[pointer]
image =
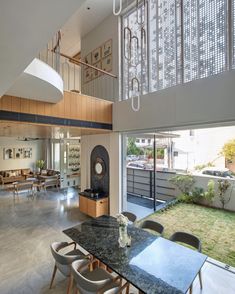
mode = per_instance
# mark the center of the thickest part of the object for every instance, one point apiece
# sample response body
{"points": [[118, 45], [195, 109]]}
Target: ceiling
{"points": [[24, 130], [25, 28], [82, 22]]}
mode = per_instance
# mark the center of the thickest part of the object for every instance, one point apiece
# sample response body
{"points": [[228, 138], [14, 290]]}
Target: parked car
{"points": [[132, 158], [148, 166], [136, 164], [218, 172]]}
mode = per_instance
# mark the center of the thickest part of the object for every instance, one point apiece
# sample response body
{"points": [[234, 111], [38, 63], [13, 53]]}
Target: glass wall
{"points": [[152, 159], [166, 43]]}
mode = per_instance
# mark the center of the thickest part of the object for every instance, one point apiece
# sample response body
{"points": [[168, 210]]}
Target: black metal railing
{"points": [[140, 183]]}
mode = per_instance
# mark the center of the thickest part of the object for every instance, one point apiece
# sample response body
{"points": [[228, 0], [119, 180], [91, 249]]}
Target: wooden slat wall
{"points": [[73, 106]]}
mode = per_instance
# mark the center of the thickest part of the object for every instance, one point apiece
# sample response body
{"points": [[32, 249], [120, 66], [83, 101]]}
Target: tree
{"points": [[228, 150], [132, 149], [149, 152]]}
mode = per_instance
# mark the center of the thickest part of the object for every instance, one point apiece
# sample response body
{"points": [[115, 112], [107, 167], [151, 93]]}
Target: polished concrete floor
{"points": [[28, 226], [139, 210]]}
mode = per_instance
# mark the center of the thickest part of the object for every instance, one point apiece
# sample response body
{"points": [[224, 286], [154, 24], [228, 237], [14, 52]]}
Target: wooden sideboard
{"points": [[94, 207]]}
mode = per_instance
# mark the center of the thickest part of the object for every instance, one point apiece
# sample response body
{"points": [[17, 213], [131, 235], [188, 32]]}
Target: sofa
{"points": [[15, 175], [50, 178], [49, 173]]}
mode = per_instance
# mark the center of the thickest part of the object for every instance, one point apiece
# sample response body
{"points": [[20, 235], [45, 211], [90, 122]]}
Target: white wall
{"points": [[37, 153], [112, 144], [102, 87], [25, 28], [203, 101], [202, 181]]}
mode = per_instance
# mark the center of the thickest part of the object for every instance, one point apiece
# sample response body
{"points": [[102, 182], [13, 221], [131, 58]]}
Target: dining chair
{"points": [[63, 261], [153, 226], [190, 240], [97, 281], [131, 216]]}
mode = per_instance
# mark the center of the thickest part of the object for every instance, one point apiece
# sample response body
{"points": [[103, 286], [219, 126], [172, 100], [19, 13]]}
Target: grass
{"points": [[214, 227]]}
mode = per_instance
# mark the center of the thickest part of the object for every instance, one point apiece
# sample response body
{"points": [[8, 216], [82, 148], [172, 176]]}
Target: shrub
{"points": [[183, 182], [190, 194], [223, 186], [202, 166], [210, 193]]}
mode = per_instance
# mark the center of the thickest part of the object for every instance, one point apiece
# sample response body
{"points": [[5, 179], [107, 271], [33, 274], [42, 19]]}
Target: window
{"points": [[56, 156], [179, 41]]}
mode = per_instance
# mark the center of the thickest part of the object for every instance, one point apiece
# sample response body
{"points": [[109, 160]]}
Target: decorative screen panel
{"points": [[187, 40], [165, 43], [233, 32], [135, 52], [205, 38]]}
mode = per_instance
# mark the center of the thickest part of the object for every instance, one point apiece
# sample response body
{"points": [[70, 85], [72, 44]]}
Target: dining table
{"points": [[151, 263]]}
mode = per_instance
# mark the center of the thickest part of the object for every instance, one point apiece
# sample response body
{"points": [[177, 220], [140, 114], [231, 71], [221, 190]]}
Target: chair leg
{"points": [[70, 284], [53, 276], [200, 278], [191, 289], [127, 288]]}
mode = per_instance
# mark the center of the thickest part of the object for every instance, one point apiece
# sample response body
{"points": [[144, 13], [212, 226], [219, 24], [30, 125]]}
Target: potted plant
{"points": [[40, 164]]}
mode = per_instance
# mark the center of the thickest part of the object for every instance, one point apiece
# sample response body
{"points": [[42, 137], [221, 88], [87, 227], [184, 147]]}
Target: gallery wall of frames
{"points": [[101, 57], [17, 153]]}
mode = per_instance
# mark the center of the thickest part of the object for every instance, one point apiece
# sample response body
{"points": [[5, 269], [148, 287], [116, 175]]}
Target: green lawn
{"points": [[215, 228]]}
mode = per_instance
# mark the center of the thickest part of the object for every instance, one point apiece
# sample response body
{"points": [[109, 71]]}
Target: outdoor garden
{"points": [[205, 204], [193, 212], [214, 227]]}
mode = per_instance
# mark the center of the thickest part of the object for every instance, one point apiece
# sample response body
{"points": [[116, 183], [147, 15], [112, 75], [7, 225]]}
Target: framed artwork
{"points": [[88, 58], [107, 48], [96, 55], [96, 73], [27, 152], [8, 153], [107, 63], [19, 153], [87, 75]]}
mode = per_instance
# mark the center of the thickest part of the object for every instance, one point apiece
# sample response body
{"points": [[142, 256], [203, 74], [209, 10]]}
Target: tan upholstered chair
{"points": [[63, 261], [96, 281]]}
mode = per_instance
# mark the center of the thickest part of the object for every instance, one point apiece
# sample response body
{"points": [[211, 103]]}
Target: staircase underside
{"points": [[40, 82]]}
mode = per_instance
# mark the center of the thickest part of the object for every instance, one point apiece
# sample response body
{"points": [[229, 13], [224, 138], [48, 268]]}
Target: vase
{"points": [[123, 240]]}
